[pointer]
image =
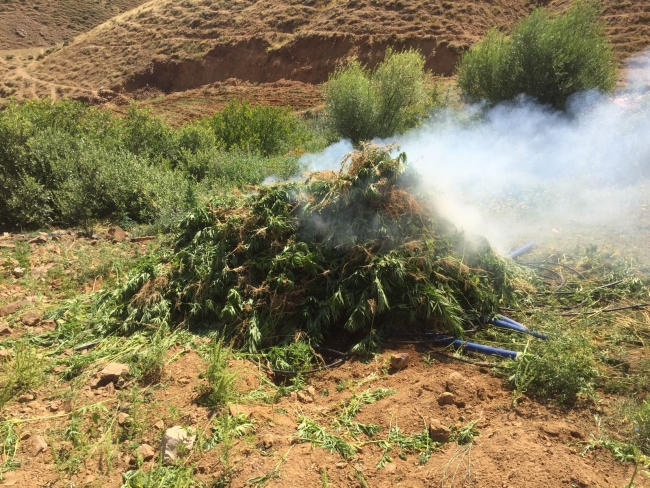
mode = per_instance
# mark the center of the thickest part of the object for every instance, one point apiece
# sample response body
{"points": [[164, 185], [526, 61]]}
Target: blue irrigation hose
{"points": [[444, 340], [507, 323], [522, 250]]}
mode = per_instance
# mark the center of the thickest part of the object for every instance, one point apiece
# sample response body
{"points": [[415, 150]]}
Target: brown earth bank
{"points": [[170, 47]]}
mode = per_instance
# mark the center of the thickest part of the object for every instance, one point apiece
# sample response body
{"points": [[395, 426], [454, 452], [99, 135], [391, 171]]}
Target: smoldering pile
{"points": [[355, 253]]}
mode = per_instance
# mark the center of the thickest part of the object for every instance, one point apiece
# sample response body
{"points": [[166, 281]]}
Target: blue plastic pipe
{"points": [[507, 323], [522, 250], [473, 347]]}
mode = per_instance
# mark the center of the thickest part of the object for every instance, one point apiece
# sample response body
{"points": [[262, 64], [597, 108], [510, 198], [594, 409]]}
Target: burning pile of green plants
{"points": [[358, 254]]}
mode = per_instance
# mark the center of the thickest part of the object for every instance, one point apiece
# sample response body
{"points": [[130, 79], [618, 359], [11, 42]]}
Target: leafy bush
{"points": [[363, 104], [260, 129], [549, 58], [559, 369], [69, 164]]}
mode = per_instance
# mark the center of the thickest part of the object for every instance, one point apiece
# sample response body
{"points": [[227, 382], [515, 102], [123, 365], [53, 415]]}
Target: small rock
{"points": [[110, 390], [18, 272], [40, 444], [304, 397], [20, 32], [90, 478], [269, 441], [293, 395], [146, 452], [12, 307], [311, 390], [341, 465], [125, 407], [122, 417], [437, 431], [4, 330], [236, 410], [446, 399], [184, 380], [175, 443], [391, 468], [5, 354], [160, 425], [25, 436], [26, 398], [54, 406], [116, 234], [399, 361], [31, 318]]}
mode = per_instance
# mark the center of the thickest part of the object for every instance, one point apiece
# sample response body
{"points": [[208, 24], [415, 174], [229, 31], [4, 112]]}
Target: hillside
{"points": [[40, 23], [165, 46]]}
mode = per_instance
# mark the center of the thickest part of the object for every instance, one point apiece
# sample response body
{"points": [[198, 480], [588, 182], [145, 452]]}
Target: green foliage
{"points": [[345, 419], [361, 250], [162, 477], [641, 420], [419, 443], [559, 369], [8, 448], [259, 129], [66, 163], [548, 58], [363, 104], [466, 434], [297, 356], [310, 431], [220, 381]]}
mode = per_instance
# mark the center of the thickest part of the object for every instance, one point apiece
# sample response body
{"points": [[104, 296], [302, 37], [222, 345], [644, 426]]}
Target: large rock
{"points": [[176, 442], [446, 399], [437, 431], [116, 234], [111, 373]]}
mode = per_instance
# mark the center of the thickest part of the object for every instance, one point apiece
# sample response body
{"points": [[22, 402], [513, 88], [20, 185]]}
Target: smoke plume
{"points": [[520, 170]]}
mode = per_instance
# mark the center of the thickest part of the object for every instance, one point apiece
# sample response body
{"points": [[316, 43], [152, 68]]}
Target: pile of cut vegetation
{"points": [[358, 254]]}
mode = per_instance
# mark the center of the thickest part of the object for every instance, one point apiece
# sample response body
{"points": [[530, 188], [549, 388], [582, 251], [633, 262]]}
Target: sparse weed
{"points": [[310, 431], [162, 476], [21, 374], [220, 381], [9, 448]]}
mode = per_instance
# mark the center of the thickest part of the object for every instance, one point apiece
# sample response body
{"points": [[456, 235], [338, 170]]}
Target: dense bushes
{"points": [[70, 164], [548, 58], [363, 104]]}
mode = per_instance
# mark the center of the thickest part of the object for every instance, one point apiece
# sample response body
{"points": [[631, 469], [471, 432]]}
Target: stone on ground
{"points": [[176, 442]]}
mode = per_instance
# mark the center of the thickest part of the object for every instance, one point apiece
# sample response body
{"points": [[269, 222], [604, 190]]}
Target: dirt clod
{"points": [[18, 272], [12, 307], [4, 329], [31, 318], [39, 445], [236, 410], [438, 432], [399, 361], [304, 397], [122, 418], [26, 398], [446, 399], [146, 452]]}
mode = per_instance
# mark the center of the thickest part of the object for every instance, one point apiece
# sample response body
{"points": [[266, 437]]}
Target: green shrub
{"points": [[363, 104], [261, 129], [559, 369], [549, 58], [69, 164]]}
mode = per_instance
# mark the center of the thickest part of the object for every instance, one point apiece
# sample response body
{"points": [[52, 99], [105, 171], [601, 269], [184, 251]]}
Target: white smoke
{"points": [[521, 170]]}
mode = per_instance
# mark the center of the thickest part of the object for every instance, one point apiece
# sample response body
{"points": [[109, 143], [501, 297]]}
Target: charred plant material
{"points": [[355, 252]]}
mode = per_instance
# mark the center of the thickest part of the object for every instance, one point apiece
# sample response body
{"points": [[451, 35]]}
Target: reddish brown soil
{"points": [[529, 445]]}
